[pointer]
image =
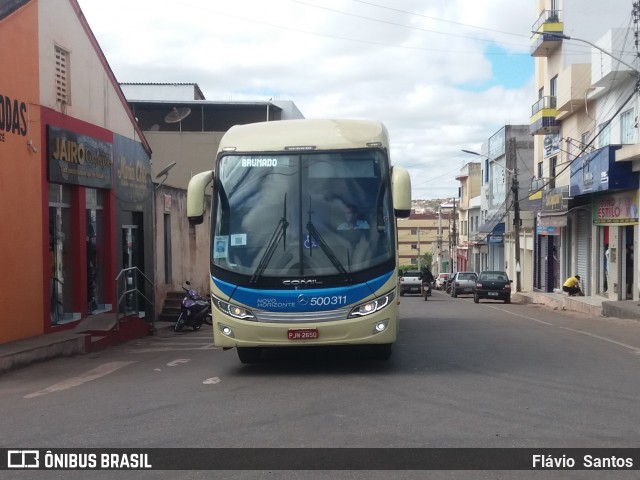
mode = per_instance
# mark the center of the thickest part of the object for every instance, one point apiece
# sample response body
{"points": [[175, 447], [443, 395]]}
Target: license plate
{"points": [[492, 294], [302, 334]]}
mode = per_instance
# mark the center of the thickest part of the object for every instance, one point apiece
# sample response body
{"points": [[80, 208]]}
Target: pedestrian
{"points": [[572, 286]]}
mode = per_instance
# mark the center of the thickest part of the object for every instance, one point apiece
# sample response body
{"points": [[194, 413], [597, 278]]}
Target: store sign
{"points": [[13, 117], [555, 200], [547, 230], [78, 159], [494, 239], [132, 171], [599, 172], [618, 209]]}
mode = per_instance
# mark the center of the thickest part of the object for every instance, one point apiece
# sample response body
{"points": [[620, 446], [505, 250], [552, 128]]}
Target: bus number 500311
{"points": [[327, 301]]}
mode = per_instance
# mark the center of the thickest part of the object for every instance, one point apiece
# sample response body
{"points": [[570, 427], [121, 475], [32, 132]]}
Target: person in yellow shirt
{"points": [[572, 286]]}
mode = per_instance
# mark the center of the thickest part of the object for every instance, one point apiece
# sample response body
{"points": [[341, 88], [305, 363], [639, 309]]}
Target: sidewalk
{"points": [[590, 305], [84, 338], [91, 334]]}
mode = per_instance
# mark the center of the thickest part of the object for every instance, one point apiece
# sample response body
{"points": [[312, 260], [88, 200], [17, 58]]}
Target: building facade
{"points": [[75, 195], [470, 178], [586, 153]]}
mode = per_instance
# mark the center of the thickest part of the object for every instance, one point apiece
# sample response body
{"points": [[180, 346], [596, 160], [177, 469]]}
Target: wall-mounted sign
{"points": [[78, 159], [598, 171], [494, 239], [547, 230], [618, 208], [13, 117], [556, 199]]}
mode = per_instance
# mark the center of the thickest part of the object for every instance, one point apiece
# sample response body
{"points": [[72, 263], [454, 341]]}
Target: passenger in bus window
{"points": [[351, 220]]}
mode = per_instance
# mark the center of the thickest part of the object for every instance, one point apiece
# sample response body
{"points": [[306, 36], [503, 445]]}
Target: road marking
{"points": [[209, 346], [94, 374], [630, 347], [178, 362], [523, 316], [211, 381], [635, 350]]}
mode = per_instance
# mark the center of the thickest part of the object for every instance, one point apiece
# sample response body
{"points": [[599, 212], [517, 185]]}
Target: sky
{"points": [[441, 75]]}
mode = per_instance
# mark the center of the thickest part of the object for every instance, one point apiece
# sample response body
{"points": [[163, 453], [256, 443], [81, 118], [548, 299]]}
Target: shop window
{"points": [[96, 255], [61, 256]]}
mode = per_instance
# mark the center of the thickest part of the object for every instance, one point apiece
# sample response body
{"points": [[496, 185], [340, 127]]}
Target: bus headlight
{"points": [[372, 306], [236, 311]]}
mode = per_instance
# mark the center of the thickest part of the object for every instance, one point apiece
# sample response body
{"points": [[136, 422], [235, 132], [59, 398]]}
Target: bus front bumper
{"points": [[229, 333]]}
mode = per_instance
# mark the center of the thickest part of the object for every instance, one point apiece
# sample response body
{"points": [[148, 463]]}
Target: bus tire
{"points": [[381, 351], [248, 354]]}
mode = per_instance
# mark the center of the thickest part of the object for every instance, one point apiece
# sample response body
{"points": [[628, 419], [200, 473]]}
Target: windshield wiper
{"points": [[278, 234], [314, 233]]}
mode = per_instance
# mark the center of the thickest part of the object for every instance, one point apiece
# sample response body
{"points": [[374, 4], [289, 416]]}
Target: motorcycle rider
{"points": [[426, 276], [427, 280]]}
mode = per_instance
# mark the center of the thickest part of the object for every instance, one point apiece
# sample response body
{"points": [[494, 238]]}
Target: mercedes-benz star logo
{"points": [[302, 299]]}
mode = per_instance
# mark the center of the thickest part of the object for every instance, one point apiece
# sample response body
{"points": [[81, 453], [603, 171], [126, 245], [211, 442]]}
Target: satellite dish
{"points": [[165, 172], [177, 114]]}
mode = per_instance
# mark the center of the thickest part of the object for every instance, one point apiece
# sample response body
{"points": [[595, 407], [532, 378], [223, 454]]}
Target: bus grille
{"points": [[302, 317]]}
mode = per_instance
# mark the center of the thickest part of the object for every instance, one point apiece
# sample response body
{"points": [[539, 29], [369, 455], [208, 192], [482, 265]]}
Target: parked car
{"points": [[494, 285], [410, 282], [441, 280], [463, 283]]}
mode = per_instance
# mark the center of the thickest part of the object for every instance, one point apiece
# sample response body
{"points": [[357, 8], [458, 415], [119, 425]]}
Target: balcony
{"points": [[538, 184], [572, 89], [543, 117], [543, 44], [608, 69]]}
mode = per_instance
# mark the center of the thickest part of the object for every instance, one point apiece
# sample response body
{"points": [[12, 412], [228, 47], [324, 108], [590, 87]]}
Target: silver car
{"points": [[463, 283]]}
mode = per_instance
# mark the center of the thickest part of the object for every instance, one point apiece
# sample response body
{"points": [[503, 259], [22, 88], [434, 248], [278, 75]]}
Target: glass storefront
{"points": [[60, 255], [95, 251]]}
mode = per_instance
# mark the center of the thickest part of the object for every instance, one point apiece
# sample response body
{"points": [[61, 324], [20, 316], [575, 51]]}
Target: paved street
{"points": [[461, 375]]}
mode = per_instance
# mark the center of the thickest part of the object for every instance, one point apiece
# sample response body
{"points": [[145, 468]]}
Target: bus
{"points": [[303, 235]]}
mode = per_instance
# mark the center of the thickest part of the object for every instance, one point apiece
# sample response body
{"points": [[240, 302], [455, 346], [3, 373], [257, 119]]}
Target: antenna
{"points": [[177, 115], [165, 172]]}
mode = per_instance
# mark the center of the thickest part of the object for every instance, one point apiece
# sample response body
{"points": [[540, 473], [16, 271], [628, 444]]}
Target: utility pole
{"points": [[454, 242], [419, 249], [439, 269], [515, 190]]}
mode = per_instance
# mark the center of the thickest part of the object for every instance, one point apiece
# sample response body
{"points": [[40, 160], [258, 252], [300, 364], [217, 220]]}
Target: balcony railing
{"points": [[538, 184], [547, 16], [543, 104]]}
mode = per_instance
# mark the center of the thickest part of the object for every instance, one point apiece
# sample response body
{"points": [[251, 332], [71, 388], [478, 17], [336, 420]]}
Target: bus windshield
{"points": [[302, 214]]}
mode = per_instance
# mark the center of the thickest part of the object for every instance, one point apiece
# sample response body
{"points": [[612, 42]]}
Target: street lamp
{"points": [[515, 189], [567, 37]]}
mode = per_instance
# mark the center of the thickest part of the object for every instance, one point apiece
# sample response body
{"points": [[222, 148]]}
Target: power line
{"points": [[406, 26], [439, 19]]}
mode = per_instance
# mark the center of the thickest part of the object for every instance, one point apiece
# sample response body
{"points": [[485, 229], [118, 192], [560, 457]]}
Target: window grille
{"points": [[63, 96]]}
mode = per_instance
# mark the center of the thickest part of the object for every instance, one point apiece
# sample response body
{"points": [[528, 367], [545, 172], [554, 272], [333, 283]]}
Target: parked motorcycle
{"points": [[194, 311]]}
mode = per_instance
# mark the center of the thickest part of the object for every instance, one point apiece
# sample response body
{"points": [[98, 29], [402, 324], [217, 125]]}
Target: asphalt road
{"points": [[461, 375]]}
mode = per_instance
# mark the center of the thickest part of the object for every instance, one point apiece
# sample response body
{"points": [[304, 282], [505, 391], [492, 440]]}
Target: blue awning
{"points": [[493, 225]]}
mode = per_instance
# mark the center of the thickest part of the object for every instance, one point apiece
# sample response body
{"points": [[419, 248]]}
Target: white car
{"points": [[441, 279]]}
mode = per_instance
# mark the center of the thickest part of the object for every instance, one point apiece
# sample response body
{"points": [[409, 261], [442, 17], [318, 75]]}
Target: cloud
{"points": [[425, 70]]}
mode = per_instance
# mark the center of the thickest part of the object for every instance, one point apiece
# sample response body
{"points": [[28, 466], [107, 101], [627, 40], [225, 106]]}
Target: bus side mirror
{"points": [[195, 196], [401, 192]]}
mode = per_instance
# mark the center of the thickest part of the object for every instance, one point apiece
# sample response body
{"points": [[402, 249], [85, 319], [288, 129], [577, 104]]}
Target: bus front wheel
{"points": [[248, 354]]}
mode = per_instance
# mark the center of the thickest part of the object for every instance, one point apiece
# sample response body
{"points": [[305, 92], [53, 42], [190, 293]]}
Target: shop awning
{"points": [[493, 224], [553, 220]]}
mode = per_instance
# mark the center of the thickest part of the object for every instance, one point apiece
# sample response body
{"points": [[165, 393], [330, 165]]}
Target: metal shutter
{"points": [[583, 243]]}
